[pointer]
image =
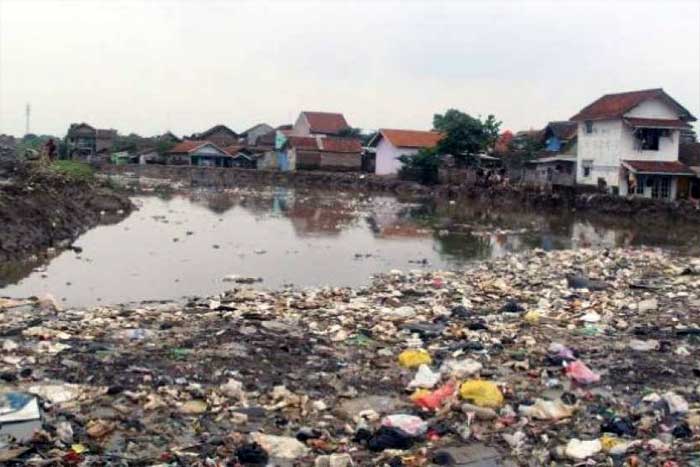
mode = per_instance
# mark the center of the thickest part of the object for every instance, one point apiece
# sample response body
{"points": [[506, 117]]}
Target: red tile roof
{"points": [[187, 145], [659, 167], [411, 138], [335, 144], [326, 122], [616, 105], [656, 123], [303, 142]]}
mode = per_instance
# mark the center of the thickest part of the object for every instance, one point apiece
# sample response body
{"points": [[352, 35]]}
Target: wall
{"points": [[654, 108], [222, 138], [308, 160], [603, 147], [387, 162], [341, 161], [301, 127]]}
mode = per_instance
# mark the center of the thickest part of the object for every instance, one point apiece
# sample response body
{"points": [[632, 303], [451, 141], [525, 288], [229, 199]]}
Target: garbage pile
{"points": [[559, 358]]}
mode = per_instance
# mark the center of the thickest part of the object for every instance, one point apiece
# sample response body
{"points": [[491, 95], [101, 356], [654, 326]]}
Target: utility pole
{"points": [[28, 111]]}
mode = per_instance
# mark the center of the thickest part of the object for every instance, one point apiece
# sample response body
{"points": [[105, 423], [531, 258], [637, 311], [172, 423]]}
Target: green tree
{"points": [[422, 166], [465, 136]]}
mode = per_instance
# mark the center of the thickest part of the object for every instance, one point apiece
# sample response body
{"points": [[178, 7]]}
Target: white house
{"points": [[389, 144], [629, 143]]}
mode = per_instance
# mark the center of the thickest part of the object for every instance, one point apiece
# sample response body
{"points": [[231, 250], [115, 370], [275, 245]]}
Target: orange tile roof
{"points": [[660, 167], [187, 146], [616, 105], [411, 138], [325, 122], [336, 144], [303, 142]]}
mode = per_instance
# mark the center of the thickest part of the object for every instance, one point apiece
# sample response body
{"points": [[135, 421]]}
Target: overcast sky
{"points": [[151, 66]]}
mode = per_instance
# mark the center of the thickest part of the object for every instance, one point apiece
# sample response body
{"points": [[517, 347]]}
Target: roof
{"points": [[563, 130], [325, 122], [656, 123], [659, 167], [689, 154], [411, 138], [233, 148], [560, 158], [187, 145], [255, 127], [303, 142], [616, 105], [335, 144], [216, 128]]}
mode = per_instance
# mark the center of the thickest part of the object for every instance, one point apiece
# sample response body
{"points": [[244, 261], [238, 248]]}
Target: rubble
{"points": [[419, 368]]}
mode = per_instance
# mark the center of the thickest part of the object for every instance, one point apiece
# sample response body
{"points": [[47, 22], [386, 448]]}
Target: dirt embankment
{"points": [[45, 208]]}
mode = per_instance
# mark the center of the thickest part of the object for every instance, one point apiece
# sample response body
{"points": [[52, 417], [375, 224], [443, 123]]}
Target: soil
{"points": [[40, 209]]}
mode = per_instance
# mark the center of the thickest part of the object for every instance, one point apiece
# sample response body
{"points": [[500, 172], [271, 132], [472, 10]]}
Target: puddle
{"points": [[188, 243]]}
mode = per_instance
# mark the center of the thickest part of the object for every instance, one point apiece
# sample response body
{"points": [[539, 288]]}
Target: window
{"points": [[641, 181], [661, 188], [587, 168], [649, 138], [589, 127]]}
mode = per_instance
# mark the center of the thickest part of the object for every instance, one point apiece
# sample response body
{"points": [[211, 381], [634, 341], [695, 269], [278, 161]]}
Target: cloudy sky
{"points": [[150, 66]]}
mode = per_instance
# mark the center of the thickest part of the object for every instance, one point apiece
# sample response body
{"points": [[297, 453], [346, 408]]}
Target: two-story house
{"points": [[628, 143]]}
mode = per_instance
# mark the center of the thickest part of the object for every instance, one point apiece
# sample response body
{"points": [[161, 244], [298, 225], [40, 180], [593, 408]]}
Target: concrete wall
{"points": [[387, 161], [603, 147], [301, 127], [341, 161]]}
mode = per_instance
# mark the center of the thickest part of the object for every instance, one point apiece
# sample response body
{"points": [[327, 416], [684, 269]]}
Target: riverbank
{"points": [[50, 207], [513, 196], [541, 358]]}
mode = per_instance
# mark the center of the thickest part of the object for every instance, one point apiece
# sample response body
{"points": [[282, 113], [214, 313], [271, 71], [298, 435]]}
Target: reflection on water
{"points": [[185, 244]]}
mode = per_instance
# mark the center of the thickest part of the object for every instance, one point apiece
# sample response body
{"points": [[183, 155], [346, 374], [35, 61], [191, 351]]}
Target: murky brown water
{"points": [[187, 243]]}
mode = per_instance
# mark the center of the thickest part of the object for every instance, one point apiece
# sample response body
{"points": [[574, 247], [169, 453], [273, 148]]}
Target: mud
{"points": [[40, 210]]}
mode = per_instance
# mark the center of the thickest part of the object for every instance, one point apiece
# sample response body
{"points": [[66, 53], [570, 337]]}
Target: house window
{"points": [[587, 167], [661, 188], [649, 138], [589, 127], [641, 181]]}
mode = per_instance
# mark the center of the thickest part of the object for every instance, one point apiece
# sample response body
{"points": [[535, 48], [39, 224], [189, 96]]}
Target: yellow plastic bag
{"points": [[481, 393], [413, 358], [532, 317], [608, 442]]}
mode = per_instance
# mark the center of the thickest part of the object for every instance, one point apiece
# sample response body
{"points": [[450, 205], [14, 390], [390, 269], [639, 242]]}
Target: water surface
{"points": [[186, 244]]}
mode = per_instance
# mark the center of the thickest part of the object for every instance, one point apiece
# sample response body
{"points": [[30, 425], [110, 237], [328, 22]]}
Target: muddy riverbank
{"points": [[47, 208], [569, 199], [559, 358]]}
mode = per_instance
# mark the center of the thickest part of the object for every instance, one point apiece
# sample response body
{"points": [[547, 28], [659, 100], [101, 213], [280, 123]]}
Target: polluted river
{"points": [[274, 327], [199, 241]]}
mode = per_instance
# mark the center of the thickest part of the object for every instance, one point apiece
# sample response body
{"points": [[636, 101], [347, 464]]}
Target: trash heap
{"points": [[559, 358]]}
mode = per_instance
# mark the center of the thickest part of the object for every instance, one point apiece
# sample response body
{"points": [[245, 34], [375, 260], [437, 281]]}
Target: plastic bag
{"points": [[413, 358], [481, 393]]}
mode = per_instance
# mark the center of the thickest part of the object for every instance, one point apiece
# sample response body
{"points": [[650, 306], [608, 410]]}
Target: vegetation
{"points": [[464, 138], [73, 169], [422, 167]]}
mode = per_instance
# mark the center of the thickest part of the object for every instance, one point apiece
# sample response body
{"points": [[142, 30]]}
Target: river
{"points": [[188, 243]]}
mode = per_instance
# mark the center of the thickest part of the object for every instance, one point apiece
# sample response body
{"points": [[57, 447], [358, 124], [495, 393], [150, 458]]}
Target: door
{"points": [[683, 188]]}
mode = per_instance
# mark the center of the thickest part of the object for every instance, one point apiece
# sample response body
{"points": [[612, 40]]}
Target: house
{"points": [[252, 134], [689, 154], [628, 143], [199, 153], [85, 142], [388, 144], [556, 170], [169, 137], [320, 124], [148, 156], [329, 153], [220, 135], [560, 137]]}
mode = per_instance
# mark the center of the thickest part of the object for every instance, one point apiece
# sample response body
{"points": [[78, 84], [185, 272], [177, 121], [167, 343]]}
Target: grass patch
{"points": [[73, 169]]}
